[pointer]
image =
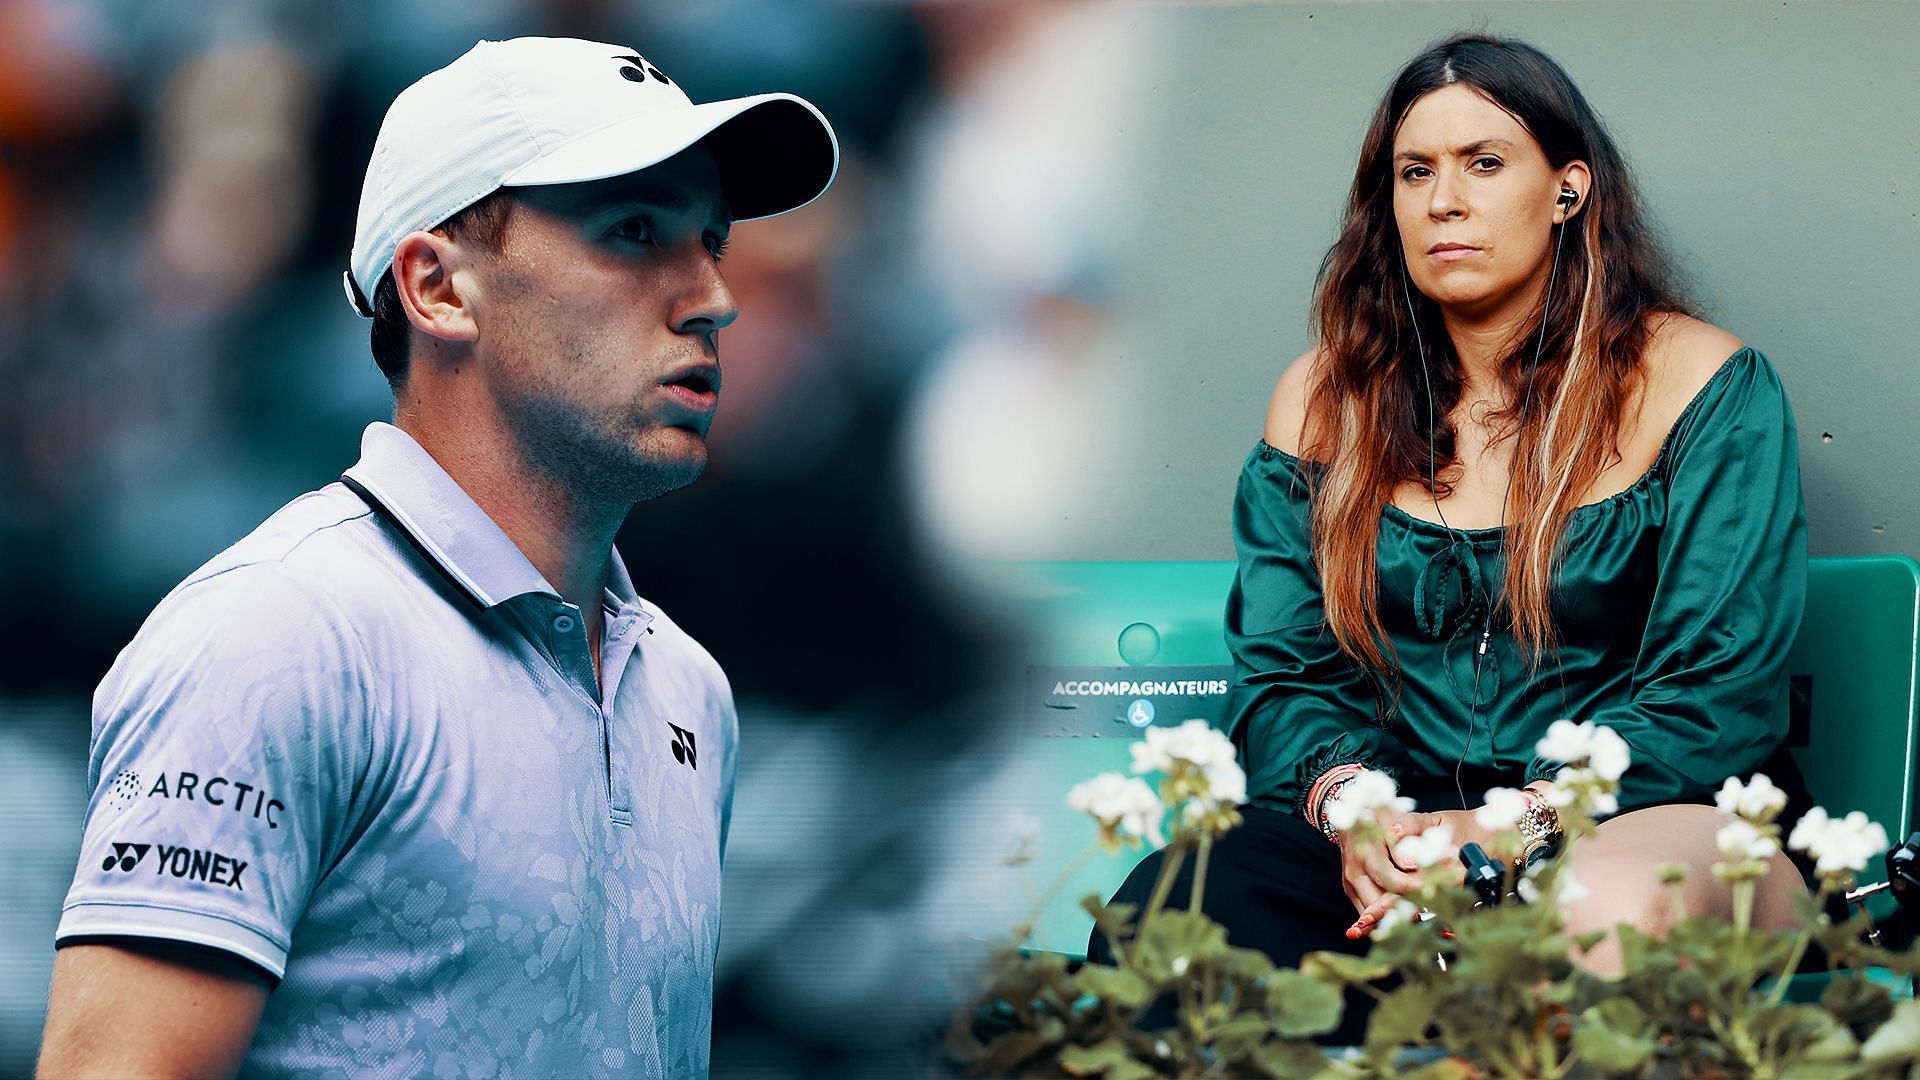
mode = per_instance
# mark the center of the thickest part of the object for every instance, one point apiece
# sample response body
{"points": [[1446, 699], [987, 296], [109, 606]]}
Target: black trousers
{"points": [[1274, 885]]}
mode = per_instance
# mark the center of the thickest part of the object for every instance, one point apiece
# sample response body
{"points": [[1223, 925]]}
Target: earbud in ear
{"points": [[1567, 198]]}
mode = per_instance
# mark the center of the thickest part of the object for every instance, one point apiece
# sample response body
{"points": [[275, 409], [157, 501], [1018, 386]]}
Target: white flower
{"points": [[1124, 806], [1368, 793], [1758, 802], [1565, 741], [1502, 809], [1179, 965], [1571, 783], [1742, 839], [1429, 849], [1196, 741], [1611, 755], [1598, 746], [1225, 782], [1838, 845], [1400, 914], [1571, 890]]}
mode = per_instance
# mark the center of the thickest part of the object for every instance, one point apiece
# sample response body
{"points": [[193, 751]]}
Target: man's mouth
{"points": [[695, 387], [698, 378]]}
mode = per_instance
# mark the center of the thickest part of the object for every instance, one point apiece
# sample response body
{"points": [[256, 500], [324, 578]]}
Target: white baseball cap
{"points": [[559, 111]]}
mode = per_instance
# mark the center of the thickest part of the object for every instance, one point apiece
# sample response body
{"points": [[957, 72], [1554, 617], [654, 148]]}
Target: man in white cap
{"points": [[409, 781]]}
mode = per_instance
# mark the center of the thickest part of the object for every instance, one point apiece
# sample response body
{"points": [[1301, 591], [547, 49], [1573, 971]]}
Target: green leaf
{"points": [[1302, 1006], [1094, 1060], [1114, 920], [1010, 1049], [1247, 966], [1116, 985], [1857, 1001], [1171, 935], [1639, 951], [1585, 942], [1402, 1018], [1343, 968], [1623, 1015], [1834, 1045], [1131, 1070], [1897, 1042], [1606, 1050], [1292, 1060]]}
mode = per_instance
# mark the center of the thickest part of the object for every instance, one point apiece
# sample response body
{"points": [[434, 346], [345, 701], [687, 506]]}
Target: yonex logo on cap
{"points": [[639, 70]]}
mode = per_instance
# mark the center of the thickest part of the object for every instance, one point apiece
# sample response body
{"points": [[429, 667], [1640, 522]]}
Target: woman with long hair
{"points": [[1515, 480]]}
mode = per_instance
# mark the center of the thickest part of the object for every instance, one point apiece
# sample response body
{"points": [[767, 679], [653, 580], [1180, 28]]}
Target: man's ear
{"points": [[431, 290]]}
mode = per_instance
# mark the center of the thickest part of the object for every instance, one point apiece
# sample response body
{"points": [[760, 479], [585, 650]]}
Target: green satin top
{"points": [[1675, 605]]}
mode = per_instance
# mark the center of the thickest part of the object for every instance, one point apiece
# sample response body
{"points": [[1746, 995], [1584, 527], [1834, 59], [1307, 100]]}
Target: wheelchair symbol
{"points": [[1140, 713]]}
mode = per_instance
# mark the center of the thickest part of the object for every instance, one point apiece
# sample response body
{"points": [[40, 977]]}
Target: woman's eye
{"points": [[1486, 164], [717, 246], [1413, 172]]}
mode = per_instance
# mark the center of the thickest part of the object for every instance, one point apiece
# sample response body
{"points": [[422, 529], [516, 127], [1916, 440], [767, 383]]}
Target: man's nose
{"points": [[707, 305]]}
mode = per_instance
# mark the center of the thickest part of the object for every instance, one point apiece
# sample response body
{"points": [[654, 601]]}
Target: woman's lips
{"points": [[1451, 252]]}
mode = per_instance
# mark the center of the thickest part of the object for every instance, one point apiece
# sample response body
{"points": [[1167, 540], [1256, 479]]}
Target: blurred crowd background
{"points": [[178, 183]]}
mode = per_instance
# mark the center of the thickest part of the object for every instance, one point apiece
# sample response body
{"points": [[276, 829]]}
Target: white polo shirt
{"points": [[364, 749]]}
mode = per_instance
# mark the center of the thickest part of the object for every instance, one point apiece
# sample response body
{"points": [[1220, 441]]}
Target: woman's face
{"points": [[1473, 195]]}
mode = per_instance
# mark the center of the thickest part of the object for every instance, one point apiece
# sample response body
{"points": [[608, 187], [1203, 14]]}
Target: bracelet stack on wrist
{"points": [[1323, 792]]}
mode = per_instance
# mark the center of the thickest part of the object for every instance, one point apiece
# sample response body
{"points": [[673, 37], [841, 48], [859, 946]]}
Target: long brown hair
{"points": [[1367, 405]]}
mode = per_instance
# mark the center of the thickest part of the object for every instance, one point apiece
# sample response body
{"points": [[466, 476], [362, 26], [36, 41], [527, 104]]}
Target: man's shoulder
{"points": [[307, 573], [303, 536]]}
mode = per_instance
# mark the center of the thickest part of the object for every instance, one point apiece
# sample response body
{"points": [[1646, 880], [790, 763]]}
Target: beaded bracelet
{"points": [[1313, 807]]}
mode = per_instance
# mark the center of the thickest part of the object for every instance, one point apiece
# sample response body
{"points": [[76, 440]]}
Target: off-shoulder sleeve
{"points": [[1709, 691], [1298, 705]]}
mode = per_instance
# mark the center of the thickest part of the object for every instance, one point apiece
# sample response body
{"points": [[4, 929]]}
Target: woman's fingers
{"points": [[1371, 916], [1389, 877]]}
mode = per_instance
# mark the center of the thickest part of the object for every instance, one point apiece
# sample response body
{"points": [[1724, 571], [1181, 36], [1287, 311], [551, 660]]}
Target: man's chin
{"points": [[669, 464]]}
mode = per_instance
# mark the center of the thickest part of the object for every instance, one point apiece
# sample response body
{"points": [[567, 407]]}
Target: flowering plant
{"points": [[1460, 989]]}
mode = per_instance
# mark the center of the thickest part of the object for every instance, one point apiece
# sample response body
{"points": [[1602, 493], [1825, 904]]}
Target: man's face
{"points": [[598, 327]]}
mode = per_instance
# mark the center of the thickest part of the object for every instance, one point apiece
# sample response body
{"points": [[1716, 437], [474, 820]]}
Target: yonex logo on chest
{"points": [[685, 747]]}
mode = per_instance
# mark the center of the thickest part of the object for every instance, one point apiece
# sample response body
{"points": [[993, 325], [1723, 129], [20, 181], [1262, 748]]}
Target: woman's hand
{"points": [[1374, 880]]}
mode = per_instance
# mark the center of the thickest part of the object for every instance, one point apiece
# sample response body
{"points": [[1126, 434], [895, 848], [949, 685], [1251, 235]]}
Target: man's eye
{"points": [[717, 245], [636, 230]]}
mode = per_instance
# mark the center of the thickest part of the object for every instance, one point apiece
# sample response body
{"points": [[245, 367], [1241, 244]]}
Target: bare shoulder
{"points": [[1683, 353], [1287, 412]]}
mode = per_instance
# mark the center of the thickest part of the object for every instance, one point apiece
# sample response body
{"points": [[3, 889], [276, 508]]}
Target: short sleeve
{"points": [[1298, 705], [226, 740], [1709, 691]]}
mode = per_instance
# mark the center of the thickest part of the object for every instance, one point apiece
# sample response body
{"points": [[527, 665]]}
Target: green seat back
{"points": [[1857, 717], [1854, 668]]}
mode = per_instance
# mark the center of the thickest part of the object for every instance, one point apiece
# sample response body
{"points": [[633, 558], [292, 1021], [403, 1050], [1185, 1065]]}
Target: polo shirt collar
{"points": [[412, 490]]}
